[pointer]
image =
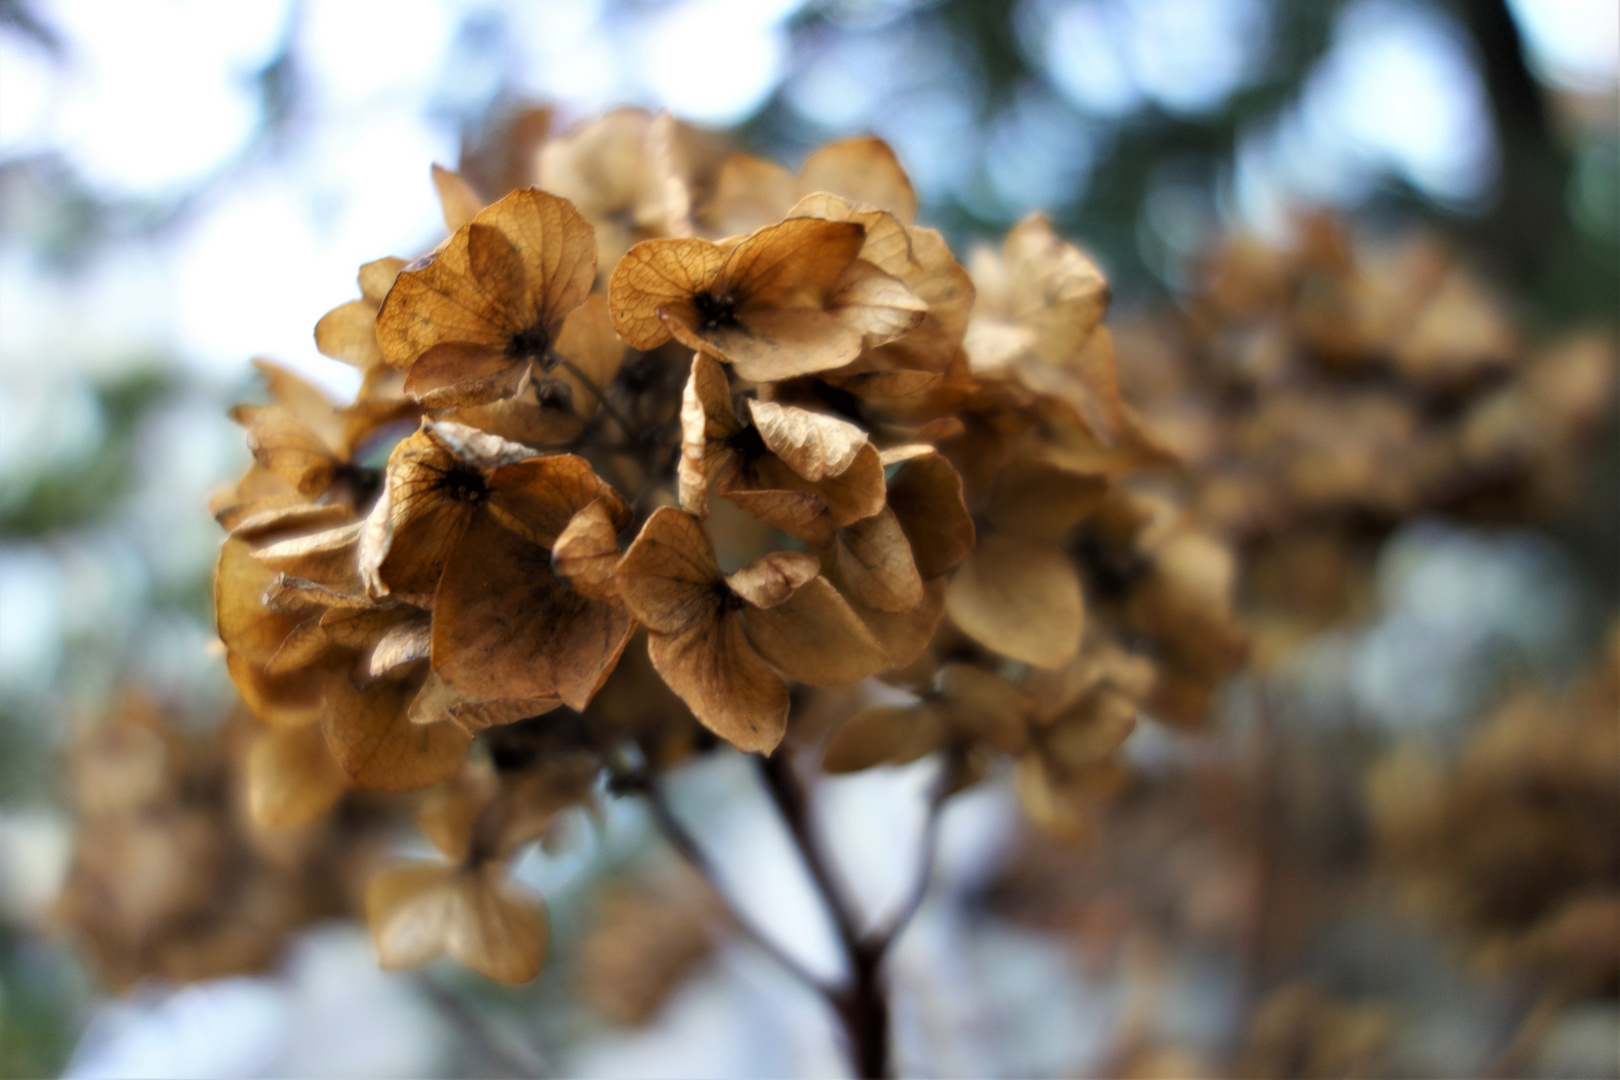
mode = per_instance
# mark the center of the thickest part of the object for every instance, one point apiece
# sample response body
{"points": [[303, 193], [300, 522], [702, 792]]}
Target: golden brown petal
{"points": [[537, 498], [291, 778], [926, 497], [815, 637], [659, 274], [555, 245], [707, 422], [671, 582], [883, 735], [588, 342], [734, 693], [349, 333], [1020, 598], [456, 197], [376, 278], [374, 742], [504, 626], [587, 553], [1042, 502], [875, 563], [464, 373], [985, 706], [401, 645]]}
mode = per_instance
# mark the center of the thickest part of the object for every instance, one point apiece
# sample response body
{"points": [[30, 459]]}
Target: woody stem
{"points": [[686, 845], [862, 1005]]}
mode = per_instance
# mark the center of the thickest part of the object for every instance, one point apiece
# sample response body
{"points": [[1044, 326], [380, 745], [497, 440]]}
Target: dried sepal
{"points": [[418, 911], [291, 777]]}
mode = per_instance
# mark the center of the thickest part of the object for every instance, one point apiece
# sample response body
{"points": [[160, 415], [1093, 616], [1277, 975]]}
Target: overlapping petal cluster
{"points": [[676, 440]]}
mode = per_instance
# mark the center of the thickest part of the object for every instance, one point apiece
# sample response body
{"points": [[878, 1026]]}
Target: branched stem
{"points": [[686, 845]]}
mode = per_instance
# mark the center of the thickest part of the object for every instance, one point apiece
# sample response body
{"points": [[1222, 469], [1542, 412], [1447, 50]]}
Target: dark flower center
{"points": [[463, 484], [748, 444], [714, 311], [533, 343]]}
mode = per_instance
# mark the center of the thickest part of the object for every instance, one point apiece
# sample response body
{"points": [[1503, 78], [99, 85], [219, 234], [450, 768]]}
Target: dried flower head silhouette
{"points": [[678, 416]]}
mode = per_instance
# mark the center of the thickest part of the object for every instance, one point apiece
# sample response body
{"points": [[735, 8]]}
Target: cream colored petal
{"points": [[458, 200], [707, 422], [587, 553], [771, 579], [409, 908], [497, 929], [349, 333], [861, 169], [814, 445], [876, 304], [401, 645]]}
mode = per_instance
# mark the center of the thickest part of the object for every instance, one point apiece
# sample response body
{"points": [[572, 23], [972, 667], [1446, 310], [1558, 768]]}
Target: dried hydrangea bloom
{"points": [[719, 640], [805, 473], [789, 299], [751, 193], [1019, 593], [349, 332], [465, 907], [489, 308]]}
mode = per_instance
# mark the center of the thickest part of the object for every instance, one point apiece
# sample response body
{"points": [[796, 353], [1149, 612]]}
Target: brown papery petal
{"points": [[771, 579], [734, 693], [537, 498], [401, 645], [292, 700], [463, 373], [1019, 598], [587, 552], [751, 193], [329, 558], [985, 706], [875, 563], [349, 333], [707, 421], [794, 263], [904, 635], [377, 746], [669, 577], [496, 266], [877, 304], [815, 637], [772, 344], [435, 304], [458, 200], [801, 513], [814, 445], [289, 520], [657, 274], [883, 734], [1042, 502], [245, 625], [862, 169], [436, 702], [504, 626], [556, 246], [858, 492], [1090, 731], [926, 497], [887, 245], [496, 929], [588, 342], [291, 778]]}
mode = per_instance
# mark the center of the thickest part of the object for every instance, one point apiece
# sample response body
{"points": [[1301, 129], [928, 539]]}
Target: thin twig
{"points": [[686, 845], [472, 1026], [883, 939], [607, 406]]}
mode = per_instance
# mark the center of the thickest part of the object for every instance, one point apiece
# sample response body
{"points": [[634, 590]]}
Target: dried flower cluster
{"points": [[173, 875], [675, 435], [1323, 390]]}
